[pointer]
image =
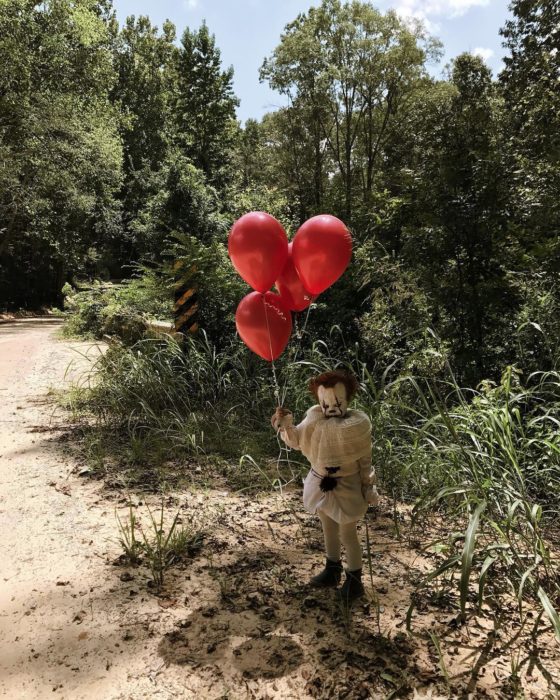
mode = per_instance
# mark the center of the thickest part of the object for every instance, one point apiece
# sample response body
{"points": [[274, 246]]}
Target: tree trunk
{"points": [[8, 234], [348, 204], [318, 174]]}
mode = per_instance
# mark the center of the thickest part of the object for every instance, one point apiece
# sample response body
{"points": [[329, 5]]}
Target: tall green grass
{"points": [[490, 459], [159, 400]]}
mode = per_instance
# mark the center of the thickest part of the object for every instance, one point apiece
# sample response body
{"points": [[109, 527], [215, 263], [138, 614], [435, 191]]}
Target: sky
{"points": [[248, 30]]}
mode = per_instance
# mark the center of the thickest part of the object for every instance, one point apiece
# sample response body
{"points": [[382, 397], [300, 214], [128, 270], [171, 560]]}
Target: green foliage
{"points": [[538, 322], [182, 202], [205, 107], [478, 439], [117, 141], [264, 198], [394, 331], [118, 310], [532, 107], [121, 310], [531, 67], [143, 91], [490, 458], [461, 248], [347, 68], [207, 268], [162, 545], [289, 155], [180, 394], [112, 140], [497, 458], [58, 141], [143, 95], [131, 545]]}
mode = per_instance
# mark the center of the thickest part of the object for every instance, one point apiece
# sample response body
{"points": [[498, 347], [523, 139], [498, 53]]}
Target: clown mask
{"points": [[333, 400]]}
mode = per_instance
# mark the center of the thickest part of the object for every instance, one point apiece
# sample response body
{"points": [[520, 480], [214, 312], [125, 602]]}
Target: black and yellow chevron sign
{"points": [[186, 299]]}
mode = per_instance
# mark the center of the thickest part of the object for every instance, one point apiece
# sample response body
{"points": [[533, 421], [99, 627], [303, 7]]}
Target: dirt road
{"points": [[69, 628], [235, 621], [50, 540]]}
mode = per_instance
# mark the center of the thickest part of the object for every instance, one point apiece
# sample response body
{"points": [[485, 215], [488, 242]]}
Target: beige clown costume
{"points": [[339, 448], [341, 481]]}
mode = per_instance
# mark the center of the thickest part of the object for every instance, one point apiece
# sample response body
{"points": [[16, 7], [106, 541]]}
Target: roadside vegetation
{"points": [[487, 461]]}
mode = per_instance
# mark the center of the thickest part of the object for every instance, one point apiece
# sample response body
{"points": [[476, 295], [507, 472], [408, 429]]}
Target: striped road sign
{"points": [[186, 298]]}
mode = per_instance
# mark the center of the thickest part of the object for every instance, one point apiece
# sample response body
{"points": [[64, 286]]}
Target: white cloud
{"points": [[485, 54], [190, 4], [426, 9]]}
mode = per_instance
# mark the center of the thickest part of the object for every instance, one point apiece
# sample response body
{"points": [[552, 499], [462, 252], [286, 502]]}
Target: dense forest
{"points": [[117, 140]]}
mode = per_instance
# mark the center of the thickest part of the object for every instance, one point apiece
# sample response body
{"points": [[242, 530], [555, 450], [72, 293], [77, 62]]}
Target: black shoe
{"points": [[352, 588], [330, 576]]}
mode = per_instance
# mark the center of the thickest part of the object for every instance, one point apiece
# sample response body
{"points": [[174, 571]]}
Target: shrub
{"points": [[118, 310], [198, 398]]}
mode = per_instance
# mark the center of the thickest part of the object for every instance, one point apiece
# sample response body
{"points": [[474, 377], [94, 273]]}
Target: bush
{"points": [[490, 459], [118, 310], [200, 399], [538, 322]]}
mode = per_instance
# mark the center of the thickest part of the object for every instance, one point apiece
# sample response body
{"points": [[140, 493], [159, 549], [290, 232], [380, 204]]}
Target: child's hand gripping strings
{"points": [[282, 418]]}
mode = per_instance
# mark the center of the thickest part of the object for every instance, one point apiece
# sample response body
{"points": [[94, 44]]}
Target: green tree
{"points": [[530, 76], [182, 203], [251, 153], [58, 141], [143, 95], [349, 68], [293, 163], [462, 249], [204, 109], [530, 82]]}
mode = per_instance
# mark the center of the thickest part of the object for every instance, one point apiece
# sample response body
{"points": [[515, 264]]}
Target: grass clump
{"points": [[159, 546], [186, 408], [131, 545], [489, 459]]}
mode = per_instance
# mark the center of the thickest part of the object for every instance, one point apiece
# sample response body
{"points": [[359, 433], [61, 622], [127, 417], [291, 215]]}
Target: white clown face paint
{"points": [[333, 401]]}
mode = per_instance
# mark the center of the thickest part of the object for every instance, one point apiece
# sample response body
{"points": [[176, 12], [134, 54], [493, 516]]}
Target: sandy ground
{"points": [[235, 621]]}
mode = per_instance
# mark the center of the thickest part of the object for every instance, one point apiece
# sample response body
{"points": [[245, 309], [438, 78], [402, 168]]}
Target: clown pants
{"points": [[346, 534]]}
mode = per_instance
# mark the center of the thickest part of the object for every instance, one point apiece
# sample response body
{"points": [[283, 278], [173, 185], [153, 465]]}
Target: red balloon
{"points": [[264, 324], [321, 252], [290, 288], [258, 248]]}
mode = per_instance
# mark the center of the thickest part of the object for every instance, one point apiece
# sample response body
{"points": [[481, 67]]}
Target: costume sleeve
{"points": [[293, 435], [367, 472], [290, 435], [367, 476]]}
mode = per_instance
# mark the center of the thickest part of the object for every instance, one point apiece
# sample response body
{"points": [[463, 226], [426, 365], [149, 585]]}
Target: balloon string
{"points": [[304, 326], [275, 378], [279, 401], [284, 448], [299, 346]]}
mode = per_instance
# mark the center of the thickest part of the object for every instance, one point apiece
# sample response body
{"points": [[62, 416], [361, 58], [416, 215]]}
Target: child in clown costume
{"points": [[341, 482]]}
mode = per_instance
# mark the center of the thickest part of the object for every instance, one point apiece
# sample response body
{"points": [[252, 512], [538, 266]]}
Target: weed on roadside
{"points": [[160, 545]]}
